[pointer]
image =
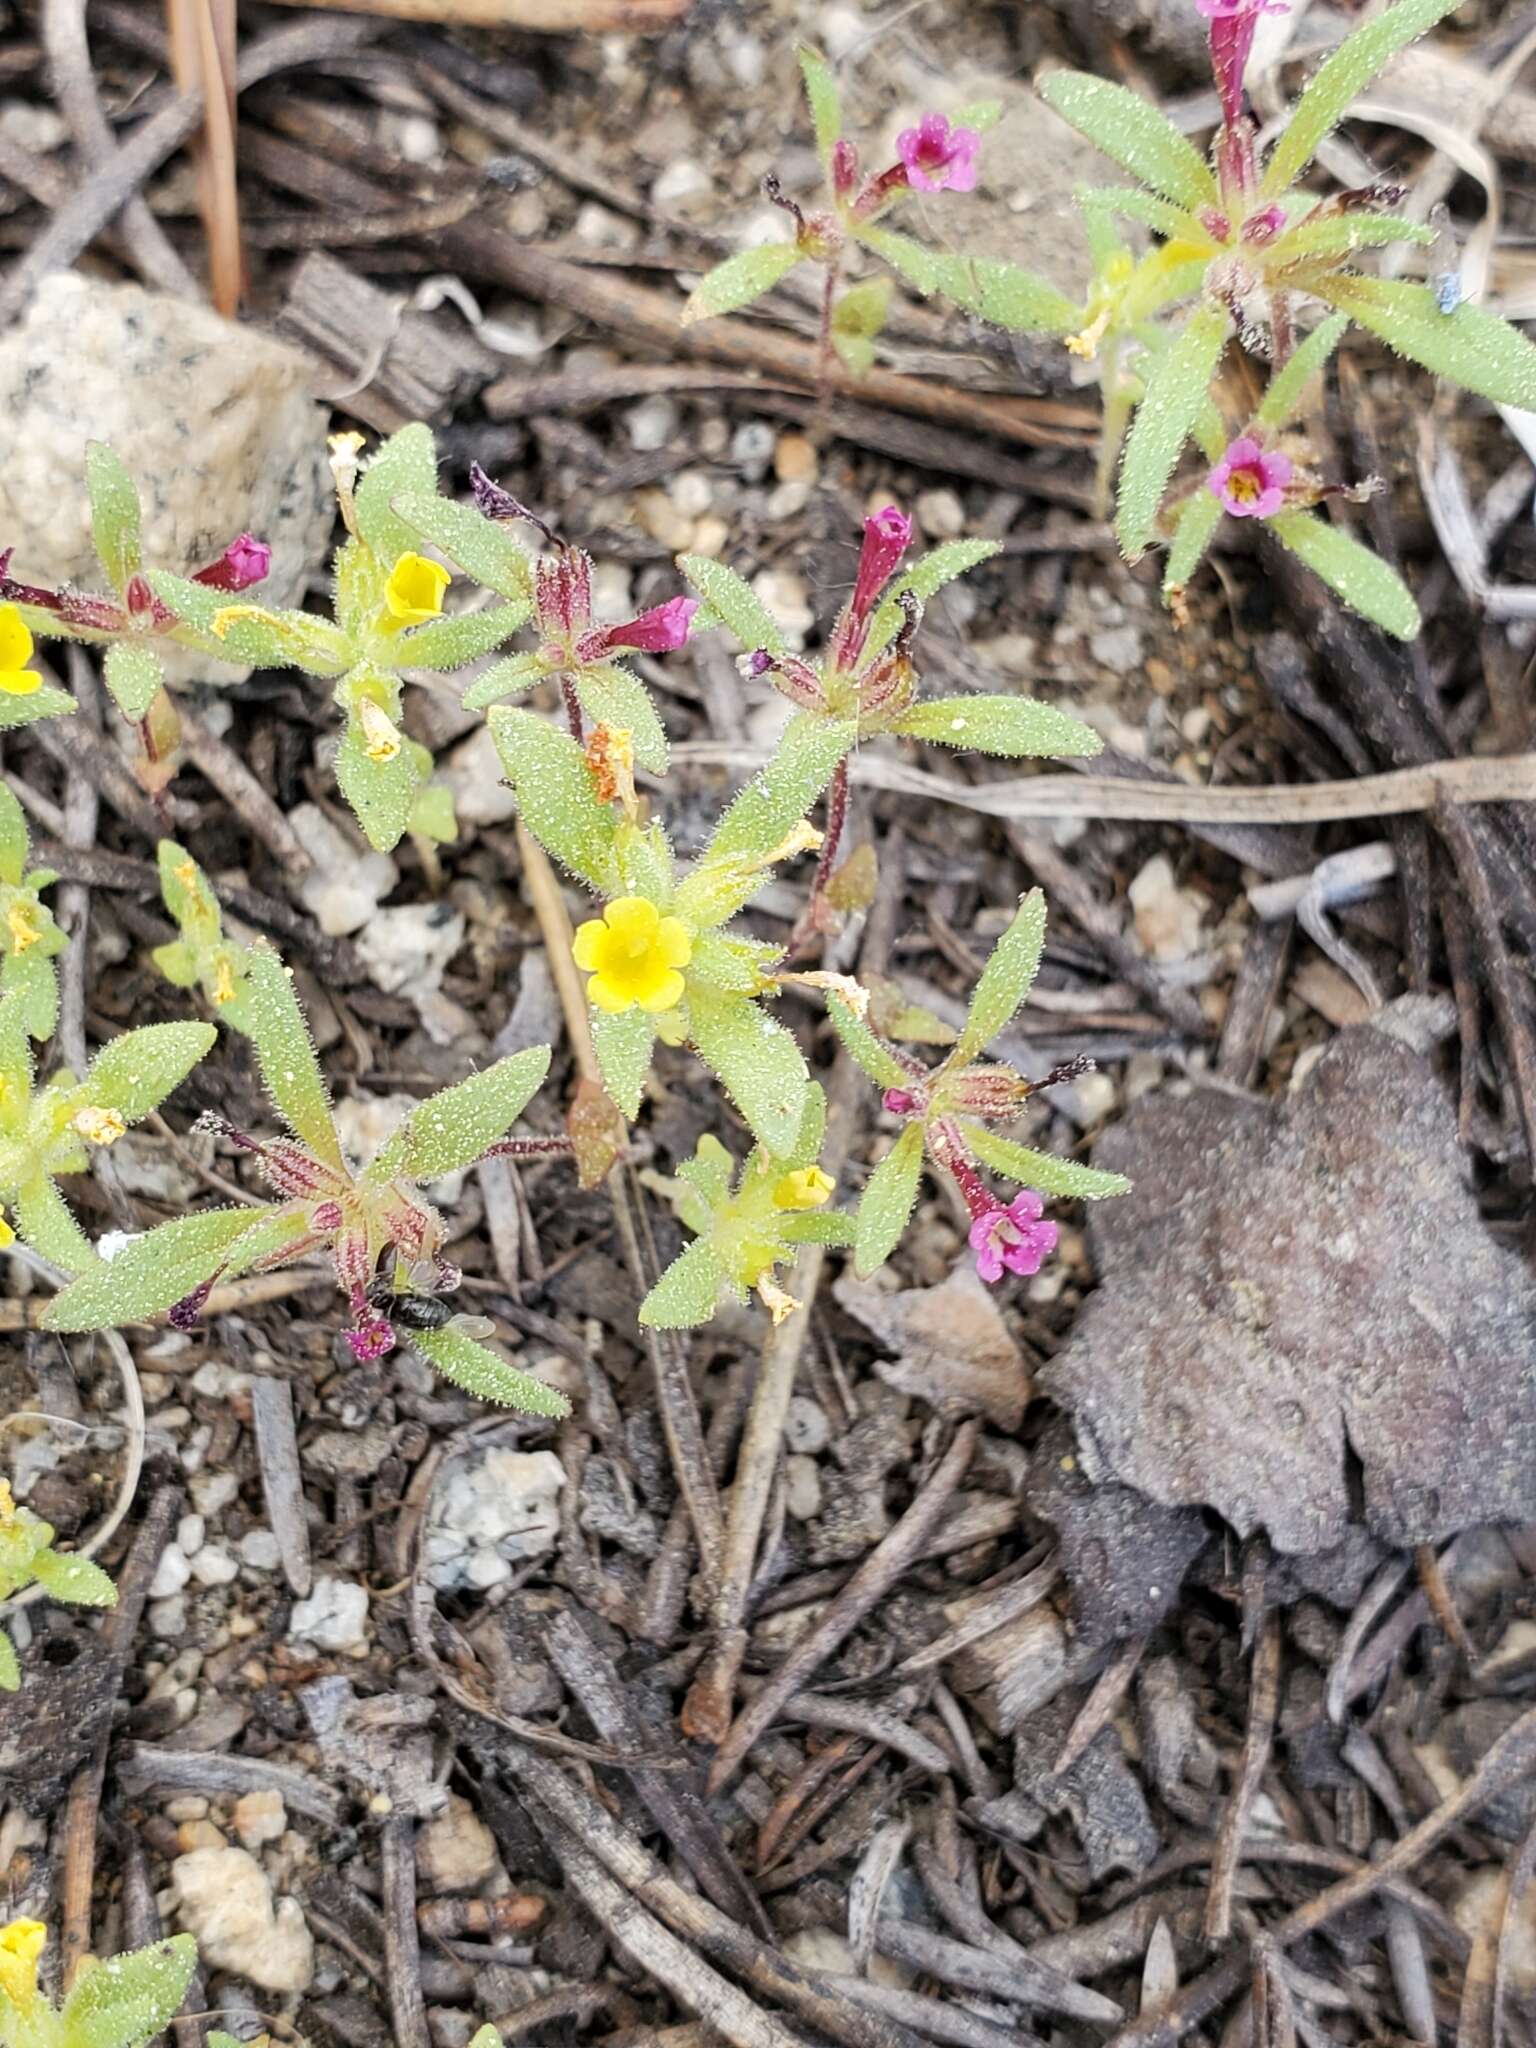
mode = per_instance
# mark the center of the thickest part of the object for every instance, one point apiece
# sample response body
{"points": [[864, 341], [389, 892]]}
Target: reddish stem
{"points": [[532, 1148], [572, 708]]}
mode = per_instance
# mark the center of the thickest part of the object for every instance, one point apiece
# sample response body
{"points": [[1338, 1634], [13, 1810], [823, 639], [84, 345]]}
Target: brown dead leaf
{"points": [[953, 1348], [1288, 1283]]}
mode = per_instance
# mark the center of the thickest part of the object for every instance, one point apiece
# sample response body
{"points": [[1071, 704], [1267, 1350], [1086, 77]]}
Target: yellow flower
{"points": [[7, 1503], [21, 1943], [99, 1126], [19, 923], [380, 739], [7, 1236], [633, 954], [414, 592], [806, 1189], [224, 990], [16, 679]]}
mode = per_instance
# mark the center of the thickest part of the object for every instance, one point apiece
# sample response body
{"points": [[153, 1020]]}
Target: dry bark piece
{"points": [[1289, 1283], [952, 1346]]}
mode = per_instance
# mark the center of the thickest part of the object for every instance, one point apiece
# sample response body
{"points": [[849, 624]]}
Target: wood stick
{"points": [[544, 17]]}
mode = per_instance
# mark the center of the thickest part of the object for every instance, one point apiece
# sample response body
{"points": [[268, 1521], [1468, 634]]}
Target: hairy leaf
{"points": [[778, 797], [1288, 388], [75, 1579], [867, 1051], [611, 695], [47, 1222], [456, 1126], [487, 1376], [405, 464], [1199, 517], [134, 676], [136, 1071], [150, 1272], [1337, 81], [514, 677], [553, 785], [819, 1226], [1006, 979], [1341, 235], [923, 579], [821, 94], [887, 1203], [739, 280], [123, 2002], [757, 1062], [999, 725], [1366, 583], [253, 633], [115, 516], [687, 1291], [623, 1043], [10, 1665], [1064, 1178], [1004, 293], [1133, 134], [734, 603], [1472, 347], [44, 703], [14, 837], [1173, 223], [483, 549], [1176, 390], [285, 1053], [450, 642], [381, 793]]}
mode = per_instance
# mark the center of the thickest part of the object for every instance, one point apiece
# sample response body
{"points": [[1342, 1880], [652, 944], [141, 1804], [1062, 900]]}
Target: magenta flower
{"points": [[845, 168], [887, 536], [1013, 1238], [657, 631], [371, 1335], [245, 561], [938, 158], [1250, 482], [1240, 10]]}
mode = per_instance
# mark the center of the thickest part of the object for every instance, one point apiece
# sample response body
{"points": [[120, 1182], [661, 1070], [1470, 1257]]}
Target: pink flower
{"points": [[1014, 1238], [658, 631], [1250, 483], [845, 168], [245, 561], [939, 158], [899, 1101], [886, 538], [372, 1337], [562, 593], [1240, 10]]}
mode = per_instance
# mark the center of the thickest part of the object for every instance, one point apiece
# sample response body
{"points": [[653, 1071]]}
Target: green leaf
{"points": [[857, 318], [134, 676], [456, 1126], [1177, 388], [1327, 240], [459, 637], [179, 963], [433, 816], [150, 1272], [1173, 223], [821, 94], [1064, 1178], [553, 785], [487, 1376], [1366, 583], [124, 2002], [483, 549], [406, 464], [999, 725], [44, 703], [623, 1044], [1133, 134], [1474, 348], [756, 1061], [1287, 390], [381, 793], [734, 602], [887, 1203], [487, 2037], [1337, 81], [739, 280], [610, 695], [1005, 980], [115, 515], [135, 1072], [864, 1048], [14, 838], [818, 1226], [778, 797], [806, 1149], [513, 677], [74, 1579], [253, 633], [688, 1291], [285, 1053], [10, 1665], [47, 1223], [32, 977], [1003, 293], [1199, 517], [923, 579]]}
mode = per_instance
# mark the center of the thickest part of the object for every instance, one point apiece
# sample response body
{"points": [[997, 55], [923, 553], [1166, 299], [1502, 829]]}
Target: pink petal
{"points": [[245, 561], [657, 631]]}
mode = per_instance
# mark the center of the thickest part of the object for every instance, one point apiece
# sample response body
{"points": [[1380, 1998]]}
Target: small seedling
{"points": [[945, 1112], [376, 1220], [27, 1557], [29, 938], [202, 957]]}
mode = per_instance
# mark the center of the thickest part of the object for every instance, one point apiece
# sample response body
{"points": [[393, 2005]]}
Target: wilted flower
{"points": [[939, 158]]}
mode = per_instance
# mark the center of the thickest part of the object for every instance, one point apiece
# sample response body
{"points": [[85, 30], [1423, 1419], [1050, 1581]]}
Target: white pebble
{"points": [[651, 424], [213, 1566], [171, 1574], [940, 514], [259, 1549], [190, 1534]]}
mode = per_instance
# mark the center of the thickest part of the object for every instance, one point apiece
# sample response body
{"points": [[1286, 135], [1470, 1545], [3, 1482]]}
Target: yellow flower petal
{"points": [[7, 1236], [414, 592], [675, 941], [15, 638], [806, 1189], [633, 954], [18, 922], [586, 948], [381, 742], [21, 1944]]}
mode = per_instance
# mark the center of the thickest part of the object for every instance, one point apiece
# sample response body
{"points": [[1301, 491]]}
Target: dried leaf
{"points": [[595, 1126], [1289, 1285], [953, 1347]]}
